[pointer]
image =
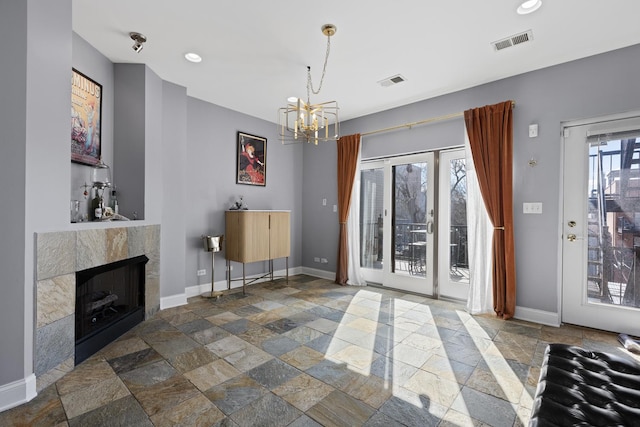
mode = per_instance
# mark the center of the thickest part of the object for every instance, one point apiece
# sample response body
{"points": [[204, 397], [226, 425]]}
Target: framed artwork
{"points": [[86, 119], [251, 161]]}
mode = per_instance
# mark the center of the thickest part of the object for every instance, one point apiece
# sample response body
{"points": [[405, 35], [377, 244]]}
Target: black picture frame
{"points": [[86, 119], [251, 160]]}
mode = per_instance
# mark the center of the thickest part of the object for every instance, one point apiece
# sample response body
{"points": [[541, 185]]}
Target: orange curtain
{"points": [[348, 149], [490, 130]]}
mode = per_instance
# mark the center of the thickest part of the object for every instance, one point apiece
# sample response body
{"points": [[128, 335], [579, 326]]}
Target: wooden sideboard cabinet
{"points": [[253, 236]]}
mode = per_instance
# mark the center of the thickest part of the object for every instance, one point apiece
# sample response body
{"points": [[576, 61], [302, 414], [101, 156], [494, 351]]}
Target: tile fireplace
{"points": [[60, 256]]}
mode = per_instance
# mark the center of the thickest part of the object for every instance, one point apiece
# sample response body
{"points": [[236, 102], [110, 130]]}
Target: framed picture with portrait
{"points": [[86, 119], [251, 162]]}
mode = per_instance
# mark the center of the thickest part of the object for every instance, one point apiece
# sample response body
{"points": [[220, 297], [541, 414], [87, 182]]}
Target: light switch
{"points": [[533, 131], [532, 208], [324, 202]]}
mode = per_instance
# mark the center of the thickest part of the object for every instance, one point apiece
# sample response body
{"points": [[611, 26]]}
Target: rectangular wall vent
{"points": [[513, 40], [390, 81]]}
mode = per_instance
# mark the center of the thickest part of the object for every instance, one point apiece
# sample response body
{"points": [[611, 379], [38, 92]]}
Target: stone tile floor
{"points": [[309, 353]]}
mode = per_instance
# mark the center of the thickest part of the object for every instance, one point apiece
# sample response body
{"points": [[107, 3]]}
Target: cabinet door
{"points": [[280, 235], [254, 236]]}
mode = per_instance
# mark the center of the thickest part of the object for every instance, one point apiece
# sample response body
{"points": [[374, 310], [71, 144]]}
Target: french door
{"points": [[397, 222], [601, 225], [403, 221]]}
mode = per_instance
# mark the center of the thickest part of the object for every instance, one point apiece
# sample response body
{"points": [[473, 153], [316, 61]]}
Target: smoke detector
{"points": [[390, 81], [513, 40]]}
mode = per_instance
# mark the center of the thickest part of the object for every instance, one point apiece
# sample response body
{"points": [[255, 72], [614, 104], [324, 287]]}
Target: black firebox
{"points": [[109, 302]]}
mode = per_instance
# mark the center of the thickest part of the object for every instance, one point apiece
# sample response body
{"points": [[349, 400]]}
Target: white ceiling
{"points": [[255, 52]]}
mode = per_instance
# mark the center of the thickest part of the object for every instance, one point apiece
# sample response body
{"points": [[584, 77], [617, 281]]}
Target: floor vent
{"points": [[390, 81], [516, 39]]}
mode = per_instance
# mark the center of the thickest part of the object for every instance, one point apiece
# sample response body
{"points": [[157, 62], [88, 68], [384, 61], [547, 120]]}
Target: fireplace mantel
{"points": [[59, 256]]}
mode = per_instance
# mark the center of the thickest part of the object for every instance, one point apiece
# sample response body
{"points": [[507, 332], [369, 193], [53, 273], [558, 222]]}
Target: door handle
{"points": [[572, 237], [430, 227]]}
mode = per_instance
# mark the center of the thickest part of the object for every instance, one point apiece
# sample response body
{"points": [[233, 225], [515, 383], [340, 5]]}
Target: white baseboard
{"points": [[173, 301], [17, 392], [322, 274], [537, 316]]}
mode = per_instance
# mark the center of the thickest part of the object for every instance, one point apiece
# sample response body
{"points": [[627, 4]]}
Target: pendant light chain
{"points": [[324, 70]]}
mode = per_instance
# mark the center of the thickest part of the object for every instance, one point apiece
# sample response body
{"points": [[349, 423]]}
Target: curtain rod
{"points": [[421, 122]]}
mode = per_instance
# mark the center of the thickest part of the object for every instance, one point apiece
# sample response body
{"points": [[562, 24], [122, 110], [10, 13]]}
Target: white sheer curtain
{"points": [[480, 240], [353, 227]]}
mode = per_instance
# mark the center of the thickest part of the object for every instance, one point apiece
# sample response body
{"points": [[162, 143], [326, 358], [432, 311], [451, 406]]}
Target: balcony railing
{"points": [[409, 242]]}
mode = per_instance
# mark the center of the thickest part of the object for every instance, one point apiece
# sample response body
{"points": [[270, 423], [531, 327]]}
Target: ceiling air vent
{"points": [[390, 81], [516, 39]]}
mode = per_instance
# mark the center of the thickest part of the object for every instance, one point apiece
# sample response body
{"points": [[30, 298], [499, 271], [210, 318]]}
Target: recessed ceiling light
{"points": [[529, 6], [193, 57]]}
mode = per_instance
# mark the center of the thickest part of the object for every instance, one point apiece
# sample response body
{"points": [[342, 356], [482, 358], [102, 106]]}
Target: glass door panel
{"points": [[372, 221], [453, 259], [410, 218]]}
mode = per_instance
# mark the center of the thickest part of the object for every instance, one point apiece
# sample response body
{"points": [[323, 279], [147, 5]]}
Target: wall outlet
{"points": [[335, 208], [316, 259], [324, 261], [201, 272]]}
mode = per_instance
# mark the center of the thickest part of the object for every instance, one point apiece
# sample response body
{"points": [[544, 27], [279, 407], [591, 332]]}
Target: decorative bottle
{"points": [[114, 200], [96, 207]]}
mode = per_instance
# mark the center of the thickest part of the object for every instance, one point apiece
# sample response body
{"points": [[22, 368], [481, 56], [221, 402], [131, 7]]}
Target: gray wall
{"points": [[34, 159], [129, 137], [595, 86], [211, 184], [174, 184], [13, 153], [154, 192]]}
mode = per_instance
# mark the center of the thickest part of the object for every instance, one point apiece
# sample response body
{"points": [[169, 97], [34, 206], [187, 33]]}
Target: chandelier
{"points": [[304, 121]]}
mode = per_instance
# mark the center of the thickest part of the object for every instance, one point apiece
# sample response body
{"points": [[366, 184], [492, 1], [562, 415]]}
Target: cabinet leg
{"points": [[286, 264], [244, 281], [228, 275]]}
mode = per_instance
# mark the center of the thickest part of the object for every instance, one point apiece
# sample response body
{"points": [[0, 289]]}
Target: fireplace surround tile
{"points": [[55, 343], [117, 247], [92, 249], [56, 254], [55, 298], [136, 241]]}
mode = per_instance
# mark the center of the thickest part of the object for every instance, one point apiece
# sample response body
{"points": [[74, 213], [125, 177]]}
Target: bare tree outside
{"points": [[458, 192], [458, 212], [410, 197]]}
